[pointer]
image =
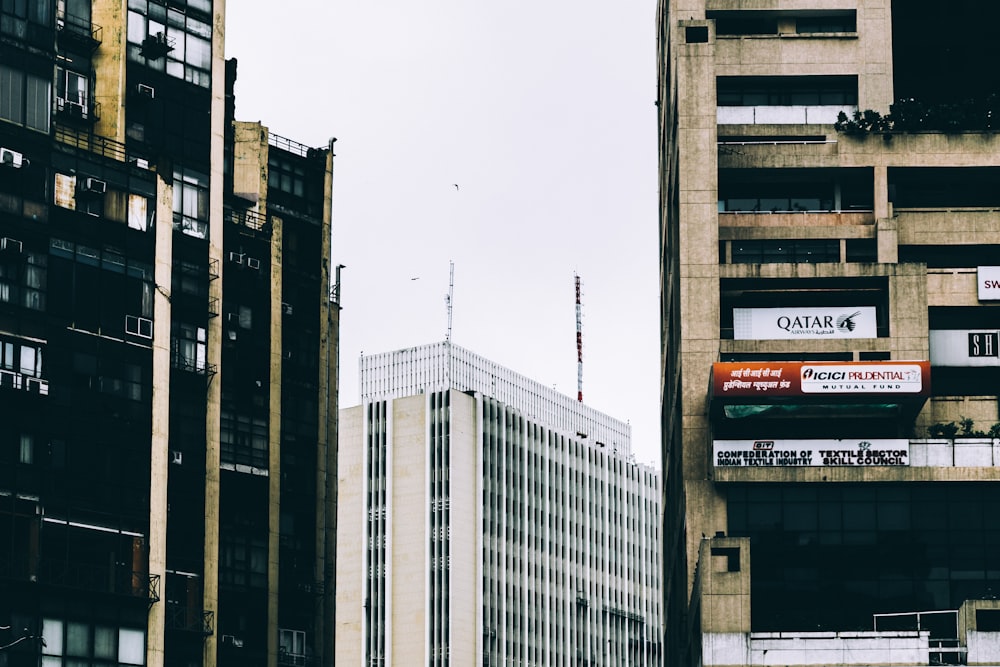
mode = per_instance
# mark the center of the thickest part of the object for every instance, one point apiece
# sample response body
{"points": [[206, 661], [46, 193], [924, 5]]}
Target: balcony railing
{"points": [[93, 144], [79, 30], [249, 219], [184, 619], [781, 115], [295, 659], [288, 145], [115, 580], [88, 112]]}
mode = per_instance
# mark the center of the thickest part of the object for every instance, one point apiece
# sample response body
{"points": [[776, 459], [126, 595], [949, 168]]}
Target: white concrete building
{"points": [[483, 518]]}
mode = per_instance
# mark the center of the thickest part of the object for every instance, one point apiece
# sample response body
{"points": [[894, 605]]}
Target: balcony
{"points": [[78, 31], [287, 659], [251, 222], [12, 380], [156, 46], [782, 115], [185, 619], [114, 580], [71, 112]]}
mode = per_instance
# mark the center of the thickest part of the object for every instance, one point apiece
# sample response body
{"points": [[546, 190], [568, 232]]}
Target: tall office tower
{"points": [[167, 350], [829, 318], [485, 518]]}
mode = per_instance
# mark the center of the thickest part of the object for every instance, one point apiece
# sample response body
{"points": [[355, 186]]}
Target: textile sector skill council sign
{"points": [[810, 453]]}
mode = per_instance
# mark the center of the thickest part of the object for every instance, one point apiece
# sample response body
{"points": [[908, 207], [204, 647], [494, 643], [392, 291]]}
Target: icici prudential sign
{"points": [[803, 378]]}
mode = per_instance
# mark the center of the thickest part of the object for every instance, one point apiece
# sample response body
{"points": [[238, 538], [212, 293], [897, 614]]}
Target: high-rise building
{"points": [[830, 246], [168, 345], [485, 518]]}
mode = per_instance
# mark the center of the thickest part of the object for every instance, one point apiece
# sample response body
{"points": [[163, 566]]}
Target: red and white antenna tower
{"points": [[579, 341]]}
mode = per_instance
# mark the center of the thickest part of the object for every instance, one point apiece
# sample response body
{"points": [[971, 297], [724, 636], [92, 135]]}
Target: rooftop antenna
{"points": [[450, 298], [579, 341]]}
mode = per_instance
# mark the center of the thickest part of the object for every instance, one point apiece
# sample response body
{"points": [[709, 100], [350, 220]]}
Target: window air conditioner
{"points": [[139, 326], [286, 309], [140, 162], [253, 262], [232, 641], [37, 386], [176, 457], [9, 158], [146, 91], [12, 245], [95, 185]]}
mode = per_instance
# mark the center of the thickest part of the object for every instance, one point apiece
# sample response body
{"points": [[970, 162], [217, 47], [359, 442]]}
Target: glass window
{"points": [[131, 646], [191, 203]]}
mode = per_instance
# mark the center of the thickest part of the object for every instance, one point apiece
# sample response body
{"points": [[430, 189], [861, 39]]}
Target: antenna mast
{"points": [[579, 341], [450, 297]]}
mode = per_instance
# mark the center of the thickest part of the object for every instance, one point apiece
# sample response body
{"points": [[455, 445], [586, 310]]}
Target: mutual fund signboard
{"points": [[810, 453], [804, 323], [744, 379]]}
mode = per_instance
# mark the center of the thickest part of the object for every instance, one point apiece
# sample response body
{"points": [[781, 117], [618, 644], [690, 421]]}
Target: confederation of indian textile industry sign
{"points": [[798, 323], [760, 379], [810, 453]]}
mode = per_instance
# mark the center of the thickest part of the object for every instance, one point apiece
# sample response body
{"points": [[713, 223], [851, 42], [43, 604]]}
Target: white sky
{"points": [[542, 112]]}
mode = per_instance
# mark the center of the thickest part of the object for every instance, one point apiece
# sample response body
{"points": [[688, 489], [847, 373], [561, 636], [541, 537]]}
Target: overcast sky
{"points": [[542, 113]]}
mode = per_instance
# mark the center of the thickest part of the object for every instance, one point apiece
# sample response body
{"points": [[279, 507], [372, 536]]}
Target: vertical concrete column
{"points": [[109, 66], [326, 455], [274, 440], [886, 226], [875, 39], [160, 441], [213, 411], [698, 240]]}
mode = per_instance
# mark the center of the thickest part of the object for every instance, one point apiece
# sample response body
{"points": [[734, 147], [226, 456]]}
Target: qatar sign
{"points": [[760, 379], [804, 323], [810, 453]]}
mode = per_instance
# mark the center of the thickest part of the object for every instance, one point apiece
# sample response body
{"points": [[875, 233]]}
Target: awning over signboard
{"points": [[784, 388]]}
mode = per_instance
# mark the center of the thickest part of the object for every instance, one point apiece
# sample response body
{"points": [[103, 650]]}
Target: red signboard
{"points": [[760, 379]]}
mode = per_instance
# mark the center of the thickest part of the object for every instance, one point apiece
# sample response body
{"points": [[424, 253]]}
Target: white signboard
{"points": [[804, 323], [900, 378], [988, 280], [810, 453], [966, 347]]}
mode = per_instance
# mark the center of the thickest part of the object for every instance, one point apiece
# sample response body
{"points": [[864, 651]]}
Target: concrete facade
{"points": [[765, 206], [471, 533]]}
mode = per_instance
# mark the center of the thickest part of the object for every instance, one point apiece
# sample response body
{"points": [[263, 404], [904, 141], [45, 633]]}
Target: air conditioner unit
{"points": [[139, 326], [236, 257], [9, 158], [146, 91], [286, 309], [232, 641], [95, 185], [253, 262], [37, 386], [176, 457], [10, 380], [11, 245], [140, 162]]}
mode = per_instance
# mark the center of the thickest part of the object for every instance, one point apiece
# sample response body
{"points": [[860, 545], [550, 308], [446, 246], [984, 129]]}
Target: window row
{"points": [[169, 39]]}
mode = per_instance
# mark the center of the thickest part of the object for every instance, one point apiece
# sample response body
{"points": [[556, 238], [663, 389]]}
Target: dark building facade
{"points": [[168, 350]]}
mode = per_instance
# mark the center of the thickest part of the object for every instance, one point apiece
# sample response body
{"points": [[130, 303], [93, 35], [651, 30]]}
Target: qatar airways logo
{"points": [[868, 379]]}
